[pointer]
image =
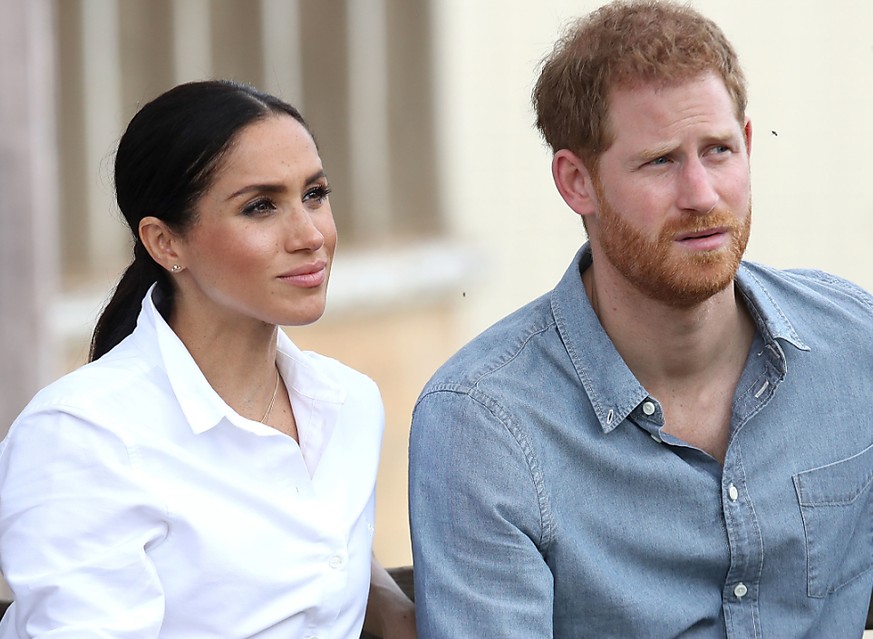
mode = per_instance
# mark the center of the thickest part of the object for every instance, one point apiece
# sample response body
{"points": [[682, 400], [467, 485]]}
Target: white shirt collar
{"points": [[204, 408]]}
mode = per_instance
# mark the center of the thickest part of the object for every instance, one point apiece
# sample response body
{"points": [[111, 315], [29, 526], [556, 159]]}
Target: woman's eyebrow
{"points": [[266, 188], [315, 176], [277, 187]]}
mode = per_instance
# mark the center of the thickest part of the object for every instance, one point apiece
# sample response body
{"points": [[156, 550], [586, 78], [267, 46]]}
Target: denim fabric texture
{"points": [[547, 501]]}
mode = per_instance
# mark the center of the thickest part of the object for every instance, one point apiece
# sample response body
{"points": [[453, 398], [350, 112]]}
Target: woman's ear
{"points": [[161, 243], [574, 181]]}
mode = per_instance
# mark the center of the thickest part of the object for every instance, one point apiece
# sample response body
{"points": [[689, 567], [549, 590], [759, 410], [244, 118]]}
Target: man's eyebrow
{"points": [[273, 188], [654, 152], [657, 151]]}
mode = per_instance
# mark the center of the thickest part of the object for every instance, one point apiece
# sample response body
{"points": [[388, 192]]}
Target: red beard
{"points": [[660, 269]]}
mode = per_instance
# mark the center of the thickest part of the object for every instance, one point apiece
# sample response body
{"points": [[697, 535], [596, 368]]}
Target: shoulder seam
{"points": [[476, 394]]}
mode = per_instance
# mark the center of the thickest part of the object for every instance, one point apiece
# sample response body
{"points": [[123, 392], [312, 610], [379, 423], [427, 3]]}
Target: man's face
{"points": [[673, 191]]}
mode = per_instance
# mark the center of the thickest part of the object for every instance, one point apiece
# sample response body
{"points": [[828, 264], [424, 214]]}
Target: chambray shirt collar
{"points": [[203, 407], [613, 389], [772, 321]]}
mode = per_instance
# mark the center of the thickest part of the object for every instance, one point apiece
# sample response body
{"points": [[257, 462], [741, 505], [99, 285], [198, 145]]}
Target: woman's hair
{"points": [[626, 44], [166, 160]]}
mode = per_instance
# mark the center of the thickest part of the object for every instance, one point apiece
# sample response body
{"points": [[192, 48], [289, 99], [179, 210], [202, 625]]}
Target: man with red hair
{"points": [[672, 442]]}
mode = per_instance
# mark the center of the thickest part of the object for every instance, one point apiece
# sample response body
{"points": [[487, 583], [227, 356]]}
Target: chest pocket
{"points": [[835, 503]]}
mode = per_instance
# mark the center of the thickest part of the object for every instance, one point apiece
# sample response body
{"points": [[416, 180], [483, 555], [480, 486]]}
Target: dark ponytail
{"points": [[166, 160], [118, 318]]}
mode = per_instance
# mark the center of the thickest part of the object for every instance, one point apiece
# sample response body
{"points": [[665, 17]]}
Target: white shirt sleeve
{"points": [[75, 524]]}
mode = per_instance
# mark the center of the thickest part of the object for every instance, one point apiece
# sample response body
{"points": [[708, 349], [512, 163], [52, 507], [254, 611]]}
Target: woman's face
{"points": [[264, 238]]}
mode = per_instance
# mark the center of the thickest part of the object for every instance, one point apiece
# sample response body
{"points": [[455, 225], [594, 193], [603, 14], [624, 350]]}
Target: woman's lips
{"points": [[307, 276]]}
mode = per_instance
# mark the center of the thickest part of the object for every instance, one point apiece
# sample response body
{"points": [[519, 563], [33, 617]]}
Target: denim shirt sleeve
{"points": [[478, 527]]}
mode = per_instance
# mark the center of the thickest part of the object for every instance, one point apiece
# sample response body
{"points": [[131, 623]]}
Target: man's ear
{"points": [[747, 132], [161, 243], [574, 181]]}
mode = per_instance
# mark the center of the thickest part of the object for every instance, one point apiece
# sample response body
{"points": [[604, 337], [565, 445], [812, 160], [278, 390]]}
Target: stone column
{"points": [[28, 204]]}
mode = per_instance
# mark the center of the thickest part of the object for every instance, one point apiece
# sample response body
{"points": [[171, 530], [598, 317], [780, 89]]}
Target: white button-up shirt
{"points": [[135, 503]]}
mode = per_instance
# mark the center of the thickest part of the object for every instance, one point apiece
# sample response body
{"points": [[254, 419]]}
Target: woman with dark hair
{"points": [[202, 476]]}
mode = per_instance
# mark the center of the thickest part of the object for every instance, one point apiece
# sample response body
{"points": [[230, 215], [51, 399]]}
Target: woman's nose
{"points": [[302, 233]]}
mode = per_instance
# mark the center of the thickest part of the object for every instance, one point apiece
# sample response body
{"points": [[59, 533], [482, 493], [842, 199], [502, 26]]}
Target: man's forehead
{"points": [[660, 84], [651, 101]]}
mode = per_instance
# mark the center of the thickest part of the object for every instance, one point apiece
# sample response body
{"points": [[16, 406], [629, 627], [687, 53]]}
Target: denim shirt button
{"points": [[740, 590], [733, 493], [648, 408]]}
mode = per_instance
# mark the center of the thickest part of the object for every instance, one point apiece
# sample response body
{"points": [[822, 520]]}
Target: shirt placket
{"points": [[740, 600], [741, 592], [334, 581]]}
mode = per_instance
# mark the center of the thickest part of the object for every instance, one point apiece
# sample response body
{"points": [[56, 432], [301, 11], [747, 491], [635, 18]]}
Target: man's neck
{"points": [[689, 359], [666, 344]]}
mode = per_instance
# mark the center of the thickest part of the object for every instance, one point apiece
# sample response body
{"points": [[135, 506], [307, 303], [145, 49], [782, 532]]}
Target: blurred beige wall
{"points": [[492, 233]]}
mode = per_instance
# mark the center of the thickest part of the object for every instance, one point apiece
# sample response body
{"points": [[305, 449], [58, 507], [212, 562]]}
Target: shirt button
{"points": [[648, 408], [733, 493], [740, 590], [335, 562]]}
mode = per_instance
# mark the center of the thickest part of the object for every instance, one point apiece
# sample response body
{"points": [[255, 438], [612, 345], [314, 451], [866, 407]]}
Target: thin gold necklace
{"points": [[263, 419]]}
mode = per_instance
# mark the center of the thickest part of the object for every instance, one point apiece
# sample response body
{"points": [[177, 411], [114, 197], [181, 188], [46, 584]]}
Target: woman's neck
{"points": [[237, 358]]}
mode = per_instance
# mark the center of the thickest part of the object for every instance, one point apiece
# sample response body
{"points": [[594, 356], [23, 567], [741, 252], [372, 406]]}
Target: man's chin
{"points": [[686, 298], [691, 282]]}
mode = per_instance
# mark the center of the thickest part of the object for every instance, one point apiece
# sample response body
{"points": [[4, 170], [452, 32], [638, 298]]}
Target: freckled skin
{"points": [[266, 215], [679, 166]]}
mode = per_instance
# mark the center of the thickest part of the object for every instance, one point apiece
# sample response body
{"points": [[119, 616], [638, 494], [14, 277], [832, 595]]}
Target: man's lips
{"points": [[712, 239], [706, 233]]}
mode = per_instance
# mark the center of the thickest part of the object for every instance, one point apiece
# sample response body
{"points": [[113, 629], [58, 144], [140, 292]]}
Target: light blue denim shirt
{"points": [[547, 501]]}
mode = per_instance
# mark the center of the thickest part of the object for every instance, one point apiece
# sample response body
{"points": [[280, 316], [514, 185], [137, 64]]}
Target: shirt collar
{"points": [[613, 389], [302, 373], [611, 386], [770, 318], [203, 407]]}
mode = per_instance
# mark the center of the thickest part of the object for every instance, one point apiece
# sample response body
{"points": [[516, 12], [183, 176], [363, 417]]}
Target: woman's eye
{"points": [[259, 207], [317, 194]]}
